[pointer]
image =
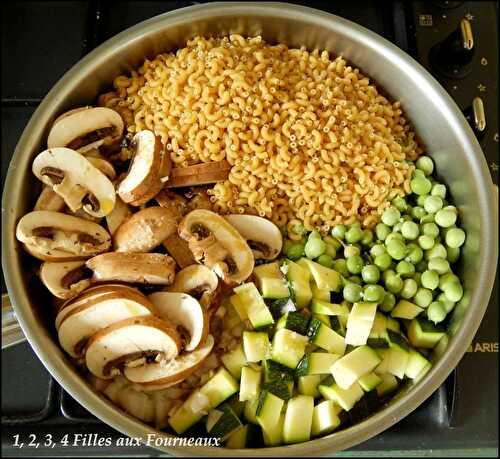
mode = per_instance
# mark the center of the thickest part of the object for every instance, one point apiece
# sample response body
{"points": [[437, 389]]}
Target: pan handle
{"points": [[11, 330]]}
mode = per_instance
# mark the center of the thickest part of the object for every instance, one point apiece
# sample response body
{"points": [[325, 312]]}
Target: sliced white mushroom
{"points": [[157, 376], [138, 404], [142, 268], [218, 245], [145, 230], [195, 280], [185, 311], [60, 233], [84, 321], [49, 200], [86, 125], [118, 215], [65, 279], [91, 294], [262, 235], [76, 180], [143, 339], [144, 178], [103, 165]]}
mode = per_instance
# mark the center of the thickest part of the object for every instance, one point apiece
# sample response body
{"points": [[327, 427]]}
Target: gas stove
{"points": [[455, 41]]}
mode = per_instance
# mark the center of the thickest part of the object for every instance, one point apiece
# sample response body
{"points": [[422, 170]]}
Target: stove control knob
{"points": [[476, 116], [452, 57]]}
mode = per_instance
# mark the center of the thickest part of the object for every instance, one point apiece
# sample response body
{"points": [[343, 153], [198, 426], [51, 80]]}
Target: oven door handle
{"points": [[12, 332]]}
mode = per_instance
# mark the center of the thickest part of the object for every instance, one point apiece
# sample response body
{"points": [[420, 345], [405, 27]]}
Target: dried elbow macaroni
{"points": [[309, 138]]}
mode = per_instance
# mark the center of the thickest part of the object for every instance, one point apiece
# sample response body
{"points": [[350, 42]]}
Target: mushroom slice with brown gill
{"points": [[87, 319], [218, 245], [86, 127], [184, 312], [49, 200], [69, 237], [131, 342], [145, 230], [195, 280], [65, 279], [117, 216], [158, 376], [91, 294], [76, 180], [262, 235], [149, 165], [174, 202], [135, 268]]}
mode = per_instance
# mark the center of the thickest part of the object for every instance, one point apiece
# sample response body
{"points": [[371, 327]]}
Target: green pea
{"points": [[388, 302], [397, 227], [417, 277], [437, 251], [352, 292], [448, 305], [325, 260], [394, 284], [314, 235], [453, 254], [331, 251], [354, 264], [432, 204], [377, 249], [405, 269], [367, 238], [409, 230], [418, 173], [391, 216], [425, 242], [295, 251], [436, 312], [430, 229], [400, 203], [453, 291], [420, 186], [370, 274], [314, 248], [351, 251], [339, 231], [445, 217], [423, 297], [387, 274], [421, 200], [354, 280], [455, 238], [415, 254], [333, 241], [353, 235], [373, 293], [340, 266], [430, 279], [396, 249], [439, 190], [421, 266], [440, 265], [382, 231], [428, 218], [417, 212], [356, 224], [409, 289], [393, 236], [448, 278], [383, 261], [425, 164]]}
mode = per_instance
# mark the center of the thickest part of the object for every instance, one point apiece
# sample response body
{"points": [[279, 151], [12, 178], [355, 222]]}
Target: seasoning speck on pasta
{"points": [[309, 138]]}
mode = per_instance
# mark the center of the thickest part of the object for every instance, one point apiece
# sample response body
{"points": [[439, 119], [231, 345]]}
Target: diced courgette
{"points": [[298, 419]]}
